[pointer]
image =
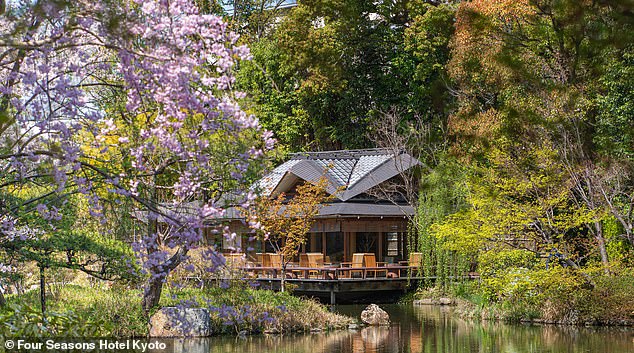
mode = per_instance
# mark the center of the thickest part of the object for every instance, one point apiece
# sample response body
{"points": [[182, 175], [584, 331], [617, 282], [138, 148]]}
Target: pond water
{"points": [[422, 329]]}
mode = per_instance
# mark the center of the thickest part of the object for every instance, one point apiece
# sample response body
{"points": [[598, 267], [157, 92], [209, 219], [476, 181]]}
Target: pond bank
{"points": [[575, 313], [116, 312]]}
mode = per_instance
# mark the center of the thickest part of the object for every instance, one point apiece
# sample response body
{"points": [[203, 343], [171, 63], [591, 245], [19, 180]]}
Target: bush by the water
{"points": [[514, 286], [236, 307]]}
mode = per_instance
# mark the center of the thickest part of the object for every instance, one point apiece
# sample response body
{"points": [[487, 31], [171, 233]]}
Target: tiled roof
{"points": [[352, 172], [270, 181]]}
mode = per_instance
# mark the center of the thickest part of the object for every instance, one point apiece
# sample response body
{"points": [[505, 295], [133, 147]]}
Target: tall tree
{"points": [[331, 68], [527, 74]]}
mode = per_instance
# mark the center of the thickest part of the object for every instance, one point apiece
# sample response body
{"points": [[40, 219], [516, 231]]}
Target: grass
{"points": [[117, 312]]}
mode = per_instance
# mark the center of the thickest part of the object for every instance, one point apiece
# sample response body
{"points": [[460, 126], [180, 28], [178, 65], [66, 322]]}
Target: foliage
{"points": [[610, 301], [286, 222], [19, 320], [532, 78], [83, 312], [495, 262], [116, 312], [442, 193], [615, 121], [331, 68]]}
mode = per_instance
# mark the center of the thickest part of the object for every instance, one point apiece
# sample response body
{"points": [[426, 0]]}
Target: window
{"points": [[334, 246], [392, 242], [367, 242]]}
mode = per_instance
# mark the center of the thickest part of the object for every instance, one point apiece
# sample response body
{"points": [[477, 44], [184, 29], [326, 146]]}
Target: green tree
{"points": [[331, 68], [529, 76], [62, 234]]}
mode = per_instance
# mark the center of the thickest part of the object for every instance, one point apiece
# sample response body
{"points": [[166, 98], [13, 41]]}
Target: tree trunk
{"points": [[152, 293], [601, 244], [283, 280], [154, 285], [42, 291]]}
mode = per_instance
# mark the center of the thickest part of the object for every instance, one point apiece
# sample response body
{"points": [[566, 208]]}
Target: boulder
{"points": [[445, 301], [180, 322], [374, 316]]}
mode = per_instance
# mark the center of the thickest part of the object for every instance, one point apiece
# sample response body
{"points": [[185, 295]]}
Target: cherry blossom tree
{"points": [[178, 131]]}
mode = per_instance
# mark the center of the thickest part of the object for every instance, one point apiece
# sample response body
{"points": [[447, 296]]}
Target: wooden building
{"points": [[368, 215]]}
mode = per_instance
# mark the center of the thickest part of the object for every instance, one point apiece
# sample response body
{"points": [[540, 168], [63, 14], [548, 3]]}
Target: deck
{"points": [[333, 284]]}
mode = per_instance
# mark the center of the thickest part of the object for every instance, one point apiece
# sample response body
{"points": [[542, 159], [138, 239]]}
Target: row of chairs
{"points": [[360, 262]]}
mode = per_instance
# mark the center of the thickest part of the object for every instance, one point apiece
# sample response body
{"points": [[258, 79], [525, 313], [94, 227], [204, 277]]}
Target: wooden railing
{"points": [[331, 272]]}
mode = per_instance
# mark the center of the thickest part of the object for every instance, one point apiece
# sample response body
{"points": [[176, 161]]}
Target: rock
{"points": [[375, 316], [425, 301], [180, 322], [353, 327], [445, 301]]}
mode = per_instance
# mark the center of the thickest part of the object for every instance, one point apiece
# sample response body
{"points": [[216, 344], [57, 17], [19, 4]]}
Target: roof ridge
{"points": [[341, 154], [352, 172], [373, 169]]}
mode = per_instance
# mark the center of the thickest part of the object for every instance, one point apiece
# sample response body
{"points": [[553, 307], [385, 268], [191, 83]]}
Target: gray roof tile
{"points": [[353, 170]]}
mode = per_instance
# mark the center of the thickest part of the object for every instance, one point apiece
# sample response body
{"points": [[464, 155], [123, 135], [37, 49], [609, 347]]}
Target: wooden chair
{"points": [[370, 261], [357, 261], [315, 259], [254, 259], [312, 260], [362, 260], [415, 260], [272, 261], [234, 260]]}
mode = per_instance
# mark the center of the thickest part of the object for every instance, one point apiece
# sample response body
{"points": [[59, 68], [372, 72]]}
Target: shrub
{"points": [[106, 312], [26, 321], [610, 300]]}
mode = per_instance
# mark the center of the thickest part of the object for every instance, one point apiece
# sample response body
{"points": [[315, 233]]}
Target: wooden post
{"points": [[352, 238], [313, 242], [345, 246], [332, 295], [323, 243], [380, 246]]}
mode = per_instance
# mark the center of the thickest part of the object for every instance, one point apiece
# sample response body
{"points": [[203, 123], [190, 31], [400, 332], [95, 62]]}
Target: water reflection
{"points": [[424, 330]]}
